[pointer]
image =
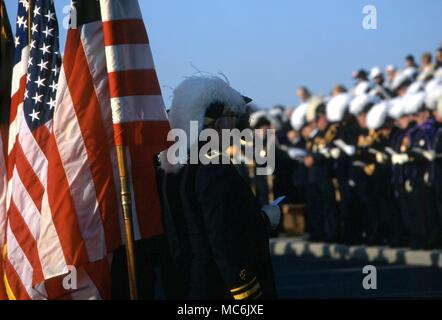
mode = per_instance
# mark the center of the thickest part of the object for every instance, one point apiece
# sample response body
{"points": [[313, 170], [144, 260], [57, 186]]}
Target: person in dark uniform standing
{"points": [[343, 145], [218, 232], [321, 194], [386, 215], [417, 145], [361, 226], [437, 164]]}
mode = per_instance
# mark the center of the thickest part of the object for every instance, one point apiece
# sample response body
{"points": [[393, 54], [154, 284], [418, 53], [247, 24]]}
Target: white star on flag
{"points": [[45, 49], [48, 32], [43, 65], [37, 98], [34, 28], [35, 115], [52, 103], [25, 4], [50, 16], [21, 22], [37, 11], [54, 86], [40, 82]]}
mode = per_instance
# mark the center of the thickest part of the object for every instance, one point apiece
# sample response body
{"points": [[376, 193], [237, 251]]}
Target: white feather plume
{"points": [[190, 102]]}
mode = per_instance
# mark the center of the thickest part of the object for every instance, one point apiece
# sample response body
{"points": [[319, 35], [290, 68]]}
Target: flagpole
{"points": [[29, 22], [126, 201]]}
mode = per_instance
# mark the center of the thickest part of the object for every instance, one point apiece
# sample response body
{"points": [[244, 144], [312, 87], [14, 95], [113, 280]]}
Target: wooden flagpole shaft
{"points": [[126, 201]]}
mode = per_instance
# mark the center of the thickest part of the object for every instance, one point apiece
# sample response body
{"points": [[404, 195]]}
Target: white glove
{"points": [[348, 149], [296, 153], [380, 158], [429, 155], [400, 158], [273, 214], [325, 152], [335, 153]]}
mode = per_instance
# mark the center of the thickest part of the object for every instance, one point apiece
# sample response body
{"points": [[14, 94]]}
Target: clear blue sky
{"points": [[268, 48]]}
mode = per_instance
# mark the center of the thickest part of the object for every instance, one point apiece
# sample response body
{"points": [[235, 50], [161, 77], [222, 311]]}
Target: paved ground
{"points": [[313, 278]]}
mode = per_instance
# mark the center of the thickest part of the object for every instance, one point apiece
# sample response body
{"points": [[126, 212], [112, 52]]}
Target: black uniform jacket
{"points": [[217, 234]]}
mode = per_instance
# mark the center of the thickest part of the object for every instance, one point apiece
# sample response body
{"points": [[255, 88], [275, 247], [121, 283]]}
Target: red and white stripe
{"points": [[39, 250], [139, 118], [63, 187], [138, 110]]}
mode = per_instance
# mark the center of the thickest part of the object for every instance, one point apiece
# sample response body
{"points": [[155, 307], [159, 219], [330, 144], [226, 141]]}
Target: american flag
{"points": [[33, 247], [6, 51], [65, 208]]}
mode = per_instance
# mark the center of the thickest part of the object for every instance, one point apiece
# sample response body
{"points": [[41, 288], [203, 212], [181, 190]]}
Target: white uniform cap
{"points": [[410, 72], [414, 102], [438, 74], [313, 105], [359, 103], [256, 116], [397, 106], [361, 88], [415, 87], [377, 115], [298, 116], [433, 89], [275, 112], [399, 80], [375, 72], [390, 67], [337, 106]]}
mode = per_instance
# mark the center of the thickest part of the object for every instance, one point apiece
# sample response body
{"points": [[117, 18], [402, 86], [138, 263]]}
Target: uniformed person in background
{"points": [[217, 230], [403, 123], [342, 149], [379, 88], [303, 122], [386, 217], [321, 193], [279, 184], [416, 145], [361, 227], [437, 147]]}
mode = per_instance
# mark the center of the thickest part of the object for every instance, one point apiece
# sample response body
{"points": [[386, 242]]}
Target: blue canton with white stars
{"points": [[44, 59]]}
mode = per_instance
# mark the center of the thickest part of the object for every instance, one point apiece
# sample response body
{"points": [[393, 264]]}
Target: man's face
{"points": [[425, 60], [385, 132], [292, 135], [391, 74], [322, 123], [437, 116], [403, 122], [307, 130], [402, 91], [302, 95], [422, 117], [362, 120], [439, 56], [379, 80]]}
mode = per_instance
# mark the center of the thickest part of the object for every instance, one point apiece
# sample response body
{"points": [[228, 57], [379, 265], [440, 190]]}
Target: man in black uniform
{"points": [[437, 164], [217, 231], [417, 145], [321, 194]]}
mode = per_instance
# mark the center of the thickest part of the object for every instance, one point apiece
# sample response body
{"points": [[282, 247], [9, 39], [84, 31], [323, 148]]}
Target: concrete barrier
{"points": [[404, 256]]}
